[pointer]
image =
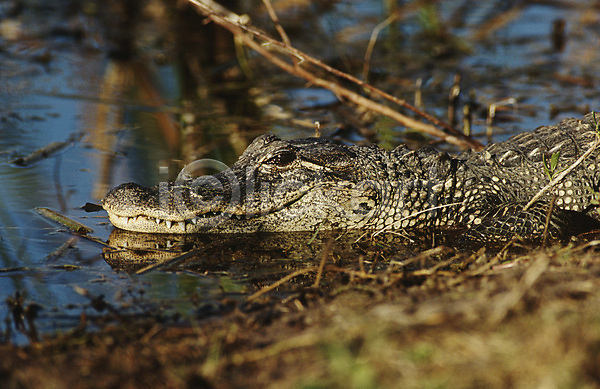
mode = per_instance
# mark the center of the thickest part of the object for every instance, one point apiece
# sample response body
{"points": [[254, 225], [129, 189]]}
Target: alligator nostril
{"points": [[119, 193], [269, 138]]}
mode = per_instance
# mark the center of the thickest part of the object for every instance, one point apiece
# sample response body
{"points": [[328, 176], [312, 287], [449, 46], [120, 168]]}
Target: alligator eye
{"points": [[282, 158]]}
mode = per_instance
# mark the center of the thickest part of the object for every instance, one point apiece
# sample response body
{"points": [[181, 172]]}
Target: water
{"points": [[56, 80]]}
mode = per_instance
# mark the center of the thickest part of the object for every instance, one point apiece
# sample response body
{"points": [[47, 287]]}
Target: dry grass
{"points": [[528, 321]]}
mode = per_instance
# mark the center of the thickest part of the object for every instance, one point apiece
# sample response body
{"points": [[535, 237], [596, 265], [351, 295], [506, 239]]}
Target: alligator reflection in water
{"points": [[262, 257]]}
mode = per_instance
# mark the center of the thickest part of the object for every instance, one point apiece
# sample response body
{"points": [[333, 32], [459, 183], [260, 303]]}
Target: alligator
{"points": [[319, 184]]}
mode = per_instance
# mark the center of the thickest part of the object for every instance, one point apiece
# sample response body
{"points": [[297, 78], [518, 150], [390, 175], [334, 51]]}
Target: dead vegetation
{"points": [[457, 319]]}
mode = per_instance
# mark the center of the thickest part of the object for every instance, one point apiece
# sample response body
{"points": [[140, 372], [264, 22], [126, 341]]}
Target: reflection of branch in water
{"points": [[60, 251], [105, 119], [22, 314], [499, 21], [58, 185], [119, 77]]}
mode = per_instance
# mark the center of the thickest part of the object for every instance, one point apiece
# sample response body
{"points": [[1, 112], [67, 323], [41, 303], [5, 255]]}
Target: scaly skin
{"points": [[313, 183]]}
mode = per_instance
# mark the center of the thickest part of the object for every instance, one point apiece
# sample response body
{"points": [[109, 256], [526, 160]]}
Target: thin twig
{"points": [[547, 223], [562, 174], [356, 273], [278, 27], [63, 220], [280, 282], [361, 264], [324, 256], [273, 350], [504, 303], [372, 40], [439, 250]]}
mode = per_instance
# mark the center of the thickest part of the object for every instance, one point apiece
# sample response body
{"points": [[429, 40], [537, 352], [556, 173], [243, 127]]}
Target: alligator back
{"points": [[503, 179]]}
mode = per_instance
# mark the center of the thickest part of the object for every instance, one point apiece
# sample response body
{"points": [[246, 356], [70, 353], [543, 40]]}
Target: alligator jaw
{"points": [[207, 222], [142, 223], [184, 211]]}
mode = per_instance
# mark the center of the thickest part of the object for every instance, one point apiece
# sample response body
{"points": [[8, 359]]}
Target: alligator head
{"points": [[276, 185]]}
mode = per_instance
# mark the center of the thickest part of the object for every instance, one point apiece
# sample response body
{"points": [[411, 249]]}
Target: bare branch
{"points": [[275, 20], [238, 25]]}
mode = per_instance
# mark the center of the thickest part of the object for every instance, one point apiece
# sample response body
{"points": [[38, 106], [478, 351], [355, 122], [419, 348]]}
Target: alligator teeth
{"points": [[123, 219], [169, 223], [181, 225], [157, 221], [195, 220]]}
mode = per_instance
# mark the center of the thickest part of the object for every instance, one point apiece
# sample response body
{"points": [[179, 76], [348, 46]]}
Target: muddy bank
{"points": [[459, 321]]}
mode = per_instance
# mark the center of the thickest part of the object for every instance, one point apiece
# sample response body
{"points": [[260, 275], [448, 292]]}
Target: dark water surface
{"points": [[135, 98]]}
